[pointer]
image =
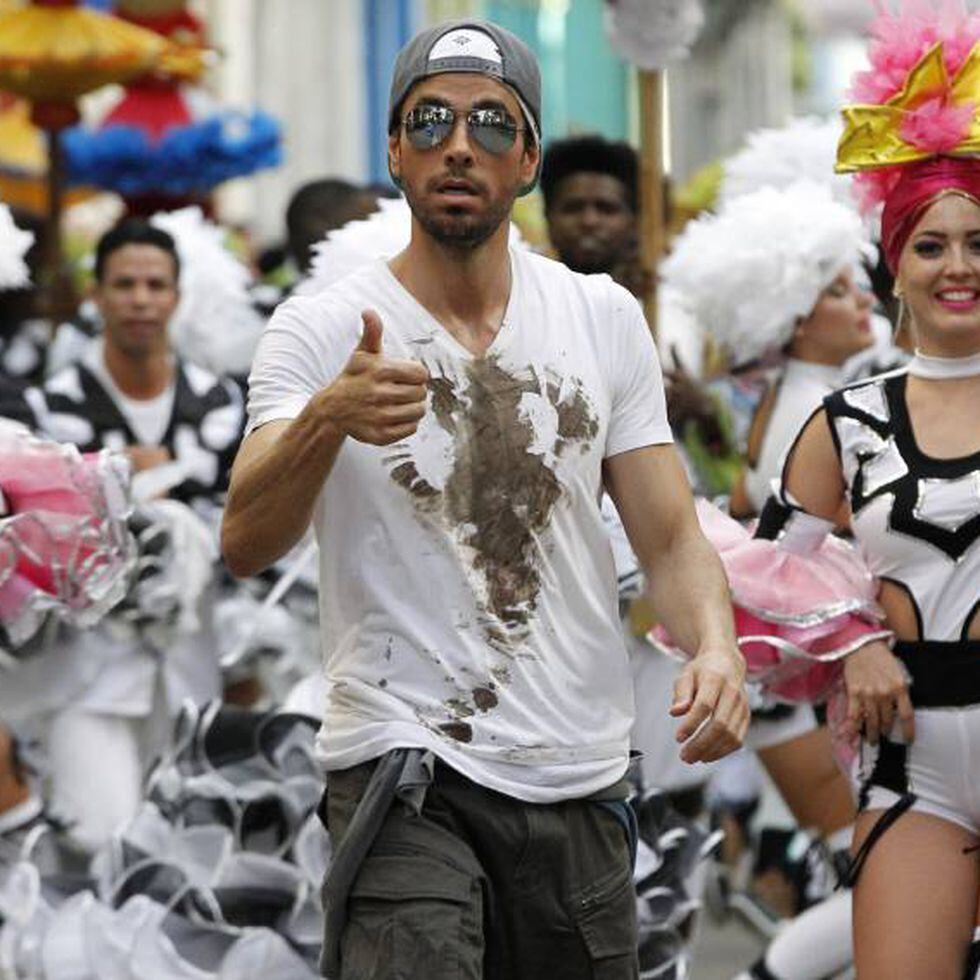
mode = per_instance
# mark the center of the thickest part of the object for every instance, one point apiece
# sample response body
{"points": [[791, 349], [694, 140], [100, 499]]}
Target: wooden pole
{"points": [[58, 292], [652, 213]]}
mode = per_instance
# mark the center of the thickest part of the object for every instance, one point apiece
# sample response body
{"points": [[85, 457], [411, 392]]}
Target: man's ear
{"points": [[530, 161], [395, 156]]}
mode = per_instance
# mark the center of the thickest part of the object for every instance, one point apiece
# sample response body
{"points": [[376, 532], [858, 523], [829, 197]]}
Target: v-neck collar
{"points": [[504, 334]]}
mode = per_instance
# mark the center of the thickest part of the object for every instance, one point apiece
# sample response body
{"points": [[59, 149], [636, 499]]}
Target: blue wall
{"points": [[585, 85], [388, 24]]}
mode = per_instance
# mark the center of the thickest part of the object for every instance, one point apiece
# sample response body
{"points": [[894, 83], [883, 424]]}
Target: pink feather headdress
{"points": [[900, 41]]}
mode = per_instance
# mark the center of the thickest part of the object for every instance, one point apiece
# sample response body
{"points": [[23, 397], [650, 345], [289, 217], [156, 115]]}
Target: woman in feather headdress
{"points": [[773, 275], [903, 452]]}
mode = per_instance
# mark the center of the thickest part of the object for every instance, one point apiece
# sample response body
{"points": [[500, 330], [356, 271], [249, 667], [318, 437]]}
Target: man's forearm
{"points": [[690, 594], [271, 499]]}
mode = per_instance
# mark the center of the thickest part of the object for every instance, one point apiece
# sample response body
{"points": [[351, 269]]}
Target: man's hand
{"points": [[710, 696], [147, 457], [877, 690], [376, 399]]}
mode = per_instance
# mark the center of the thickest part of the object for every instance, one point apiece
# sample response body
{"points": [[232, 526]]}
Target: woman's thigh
{"points": [[916, 899]]}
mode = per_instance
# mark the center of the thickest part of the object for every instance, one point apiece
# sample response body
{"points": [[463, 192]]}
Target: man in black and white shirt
{"points": [[179, 424]]}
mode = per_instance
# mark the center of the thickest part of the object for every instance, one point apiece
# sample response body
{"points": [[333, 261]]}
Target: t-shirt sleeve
{"points": [[295, 358], [639, 407]]}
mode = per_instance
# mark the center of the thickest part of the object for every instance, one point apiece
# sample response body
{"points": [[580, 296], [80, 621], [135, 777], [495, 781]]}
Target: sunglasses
{"points": [[428, 125]]}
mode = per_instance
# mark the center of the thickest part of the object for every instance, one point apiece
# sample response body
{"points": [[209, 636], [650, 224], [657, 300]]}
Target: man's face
{"points": [[458, 191], [137, 296], [590, 222]]}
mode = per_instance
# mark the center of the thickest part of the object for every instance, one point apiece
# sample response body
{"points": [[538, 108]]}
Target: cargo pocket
{"points": [[605, 915], [412, 916]]}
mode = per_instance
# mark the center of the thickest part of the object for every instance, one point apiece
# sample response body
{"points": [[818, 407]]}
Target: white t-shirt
{"points": [[147, 417], [467, 589]]}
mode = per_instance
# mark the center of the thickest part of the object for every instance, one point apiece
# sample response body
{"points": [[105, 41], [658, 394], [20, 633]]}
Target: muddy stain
{"points": [[445, 402], [485, 698], [407, 475], [458, 730], [499, 494]]}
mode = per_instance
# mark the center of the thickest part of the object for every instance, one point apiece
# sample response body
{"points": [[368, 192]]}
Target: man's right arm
{"points": [[281, 467]]}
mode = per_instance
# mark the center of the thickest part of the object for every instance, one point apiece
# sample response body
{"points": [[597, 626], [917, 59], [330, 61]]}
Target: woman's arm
{"points": [[876, 682]]}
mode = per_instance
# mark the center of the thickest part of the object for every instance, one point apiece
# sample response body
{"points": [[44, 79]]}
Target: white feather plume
{"points": [[806, 149], [653, 33], [381, 235], [14, 243], [750, 271], [216, 325]]}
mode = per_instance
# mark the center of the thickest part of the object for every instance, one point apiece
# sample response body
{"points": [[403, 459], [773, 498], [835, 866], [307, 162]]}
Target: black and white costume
{"points": [[199, 419], [917, 521]]}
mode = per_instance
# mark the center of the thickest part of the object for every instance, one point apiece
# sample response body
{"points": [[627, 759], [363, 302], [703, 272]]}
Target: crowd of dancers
{"points": [[162, 812]]}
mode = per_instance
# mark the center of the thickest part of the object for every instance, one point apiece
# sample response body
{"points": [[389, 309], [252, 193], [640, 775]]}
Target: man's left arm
{"points": [[687, 586]]}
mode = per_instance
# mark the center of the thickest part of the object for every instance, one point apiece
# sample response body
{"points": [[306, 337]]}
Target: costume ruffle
{"points": [[64, 543], [216, 878], [798, 613]]}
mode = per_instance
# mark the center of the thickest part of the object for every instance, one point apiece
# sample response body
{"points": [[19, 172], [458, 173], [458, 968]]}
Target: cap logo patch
{"points": [[466, 43]]}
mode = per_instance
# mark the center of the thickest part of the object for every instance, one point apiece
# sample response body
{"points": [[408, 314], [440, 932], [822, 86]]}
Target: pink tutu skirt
{"points": [[797, 615], [64, 543]]}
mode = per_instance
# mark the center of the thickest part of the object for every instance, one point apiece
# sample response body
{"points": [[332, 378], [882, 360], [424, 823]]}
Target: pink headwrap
{"points": [[920, 185]]}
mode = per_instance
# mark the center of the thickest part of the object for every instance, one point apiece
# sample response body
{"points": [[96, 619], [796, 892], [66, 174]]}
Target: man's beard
{"points": [[459, 231]]}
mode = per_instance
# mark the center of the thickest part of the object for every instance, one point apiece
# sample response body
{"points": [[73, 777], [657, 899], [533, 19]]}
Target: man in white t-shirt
{"points": [[447, 421]]}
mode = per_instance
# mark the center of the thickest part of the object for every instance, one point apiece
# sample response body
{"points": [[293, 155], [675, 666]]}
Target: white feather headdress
{"points": [[216, 324], [381, 235], [806, 149], [750, 271], [14, 243], [653, 33]]}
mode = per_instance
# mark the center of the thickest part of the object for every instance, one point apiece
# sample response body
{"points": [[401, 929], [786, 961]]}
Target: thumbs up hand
{"points": [[372, 333], [376, 399]]}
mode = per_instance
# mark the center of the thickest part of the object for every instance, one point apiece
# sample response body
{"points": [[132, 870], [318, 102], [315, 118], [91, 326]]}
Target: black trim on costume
{"points": [[968, 622], [773, 519], [944, 674], [905, 489], [891, 773], [911, 597], [882, 825], [890, 770]]}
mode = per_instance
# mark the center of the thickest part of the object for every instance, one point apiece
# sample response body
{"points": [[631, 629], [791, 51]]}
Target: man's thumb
{"points": [[371, 335]]}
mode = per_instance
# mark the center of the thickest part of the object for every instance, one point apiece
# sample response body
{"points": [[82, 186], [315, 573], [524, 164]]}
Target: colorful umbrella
{"points": [[51, 53], [166, 144], [24, 159]]}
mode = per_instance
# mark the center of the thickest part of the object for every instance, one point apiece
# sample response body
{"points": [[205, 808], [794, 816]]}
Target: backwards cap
{"points": [[470, 46]]}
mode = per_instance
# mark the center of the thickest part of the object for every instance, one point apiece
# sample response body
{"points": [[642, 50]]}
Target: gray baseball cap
{"points": [[469, 46]]}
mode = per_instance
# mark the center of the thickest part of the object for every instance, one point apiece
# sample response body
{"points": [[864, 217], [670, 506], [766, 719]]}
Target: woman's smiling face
{"points": [[939, 277]]}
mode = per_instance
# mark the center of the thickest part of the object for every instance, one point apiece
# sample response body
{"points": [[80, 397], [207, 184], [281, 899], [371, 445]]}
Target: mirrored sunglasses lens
{"points": [[494, 137], [426, 132]]}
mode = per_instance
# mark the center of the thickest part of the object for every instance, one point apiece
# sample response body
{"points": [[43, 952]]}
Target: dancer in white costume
{"points": [[902, 451]]}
